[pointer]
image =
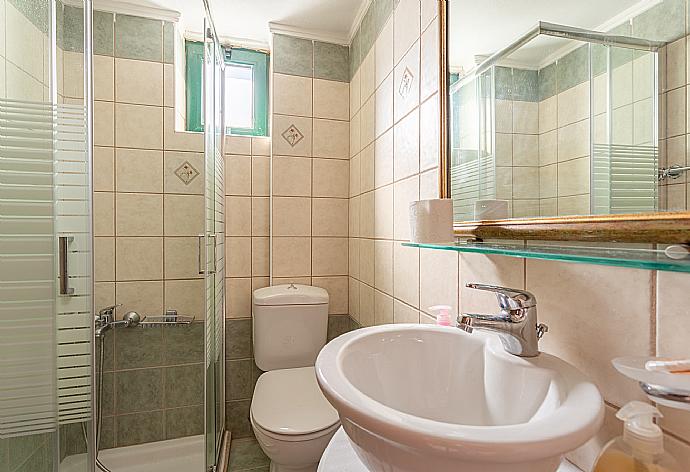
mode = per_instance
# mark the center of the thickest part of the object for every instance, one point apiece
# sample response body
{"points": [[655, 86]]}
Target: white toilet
{"points": [[292, 420]]}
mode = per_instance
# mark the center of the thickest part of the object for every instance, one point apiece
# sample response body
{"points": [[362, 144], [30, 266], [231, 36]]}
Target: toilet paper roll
{"points": [[431, 221]]}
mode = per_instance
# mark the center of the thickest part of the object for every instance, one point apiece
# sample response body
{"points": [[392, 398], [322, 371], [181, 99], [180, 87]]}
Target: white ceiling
{"points": [[248, 20], [486, 27]]}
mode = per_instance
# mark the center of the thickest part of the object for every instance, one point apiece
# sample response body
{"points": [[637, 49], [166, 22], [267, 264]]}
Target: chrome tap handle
{"points": [[109, 310], [508, 298]]}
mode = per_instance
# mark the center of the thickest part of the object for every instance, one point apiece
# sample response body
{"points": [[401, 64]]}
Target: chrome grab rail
{"points": [[202, 259], [63, 268]]}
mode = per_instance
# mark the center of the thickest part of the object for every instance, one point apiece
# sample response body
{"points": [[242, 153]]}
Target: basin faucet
{"points": [[516, 324]]}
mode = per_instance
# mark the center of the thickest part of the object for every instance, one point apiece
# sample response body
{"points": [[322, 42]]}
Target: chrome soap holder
{"points": [[170, 318]]}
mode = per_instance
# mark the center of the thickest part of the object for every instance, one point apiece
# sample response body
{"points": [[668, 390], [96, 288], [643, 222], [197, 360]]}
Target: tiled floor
{"points": [[246, 456]]}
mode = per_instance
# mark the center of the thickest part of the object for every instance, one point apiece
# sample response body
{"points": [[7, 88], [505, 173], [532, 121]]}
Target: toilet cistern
{"points": [[516, 323]]}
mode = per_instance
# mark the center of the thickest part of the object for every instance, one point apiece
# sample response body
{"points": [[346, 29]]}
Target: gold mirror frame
{"points": [[662, 227]]}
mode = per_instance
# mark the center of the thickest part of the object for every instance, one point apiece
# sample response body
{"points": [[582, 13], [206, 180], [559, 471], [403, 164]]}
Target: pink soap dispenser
{"points": [[442, 314]]}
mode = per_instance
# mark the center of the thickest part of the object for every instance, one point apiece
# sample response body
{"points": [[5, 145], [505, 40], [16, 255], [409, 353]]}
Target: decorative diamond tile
{"points": [[293, 135], [406, 83], [186, 173]]}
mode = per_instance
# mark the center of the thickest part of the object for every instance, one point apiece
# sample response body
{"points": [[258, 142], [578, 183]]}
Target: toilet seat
{"points": [[288, 405]]}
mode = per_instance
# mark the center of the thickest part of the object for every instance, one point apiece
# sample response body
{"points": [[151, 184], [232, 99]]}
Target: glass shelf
{"points": [[632, 257]]}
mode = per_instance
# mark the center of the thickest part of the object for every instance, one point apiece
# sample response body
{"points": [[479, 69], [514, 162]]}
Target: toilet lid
{"points": [[290, 402]]}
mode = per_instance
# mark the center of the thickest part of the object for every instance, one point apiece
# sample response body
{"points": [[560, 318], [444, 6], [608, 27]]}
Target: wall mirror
{"points": [[566, 119]]}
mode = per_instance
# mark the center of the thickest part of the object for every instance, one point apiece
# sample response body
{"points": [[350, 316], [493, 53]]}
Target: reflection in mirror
{"points": [[565, 118]]}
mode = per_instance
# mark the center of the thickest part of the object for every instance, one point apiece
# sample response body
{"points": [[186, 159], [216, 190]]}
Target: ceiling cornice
{"points": [[315, 35]]}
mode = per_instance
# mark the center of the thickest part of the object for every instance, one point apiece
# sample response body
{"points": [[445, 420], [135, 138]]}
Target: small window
{"points": [[246, 90]]}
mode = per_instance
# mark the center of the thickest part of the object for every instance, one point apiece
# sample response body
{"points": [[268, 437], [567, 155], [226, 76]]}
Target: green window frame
{"points": [[259, 61]]}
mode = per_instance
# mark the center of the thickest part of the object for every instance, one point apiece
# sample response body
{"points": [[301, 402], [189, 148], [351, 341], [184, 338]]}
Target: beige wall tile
{"points": [[104, 293], [403, 313], [429, 12], [404, 192], [548, 181], [384, 106], [367, 115], [260, 257], [172, 161], [103, 78], [177, 140], [186, 296], [331, 139], [292, 216], [261, 176], [183, 215], [438, 278], [73, 82], [573, 177], [138, 126], [573, 104], [573, 141], [383, 158], [292, 95], [103, 214], [367, 215], [168, 85], [259, 216], [139, 214], [406, 274], [406, 147], [383, 308], [104, 259], [383, 266], [138, 170], [504, 116], [675, 112], [367, 170], [672, 313], [355, 94], [103, 169], [676, 57], [355, 135], [525, 149], [240, 145], [366, 305], [261, 146], [331, 100], [525, 182], [181, 258], [354, 217], [383, 216], [367, 261], [353, 297], [429, 185], [588, 326], [504, 149], [575, 205], [330, 178], [406, 83], [353, 257], [548, 148], [139, 259], [407, 27], [146, 298], [139, 82], [238, 175], [355, 174], [291, 176], [292, 136], [526, 117], [329, 256], [238, 257], [238, 216], [337, 288], [330, 217], [429, 134], [291, 257], [103, 123], [429, 61]]}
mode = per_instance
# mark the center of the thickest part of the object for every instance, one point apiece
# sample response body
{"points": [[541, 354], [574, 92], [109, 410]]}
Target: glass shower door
{"points": [[46, 320], [214, 238]]}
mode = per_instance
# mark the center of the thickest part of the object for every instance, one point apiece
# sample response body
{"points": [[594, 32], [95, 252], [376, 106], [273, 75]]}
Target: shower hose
{"points": [[99, 408]]}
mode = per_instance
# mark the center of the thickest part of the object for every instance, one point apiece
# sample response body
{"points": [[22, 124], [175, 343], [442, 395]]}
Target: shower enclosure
{"points": [[513, 137], [143, 385]]}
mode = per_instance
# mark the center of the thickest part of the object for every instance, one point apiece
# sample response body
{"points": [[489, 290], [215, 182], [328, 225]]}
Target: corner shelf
{"points": [[648, 258]]}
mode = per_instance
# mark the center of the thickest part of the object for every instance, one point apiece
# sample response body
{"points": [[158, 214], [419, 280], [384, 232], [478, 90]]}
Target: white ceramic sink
{"points": [[426, 398]]}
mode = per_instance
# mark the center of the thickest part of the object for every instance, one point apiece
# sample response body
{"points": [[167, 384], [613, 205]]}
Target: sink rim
{"points": [[571, 424]]}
